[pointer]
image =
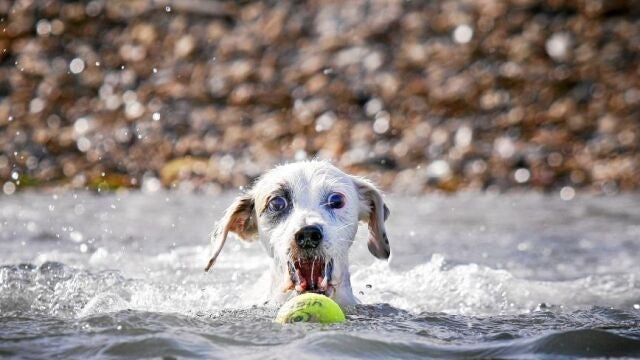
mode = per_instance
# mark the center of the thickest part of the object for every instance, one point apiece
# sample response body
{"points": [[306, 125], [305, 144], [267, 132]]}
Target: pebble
{"points": [[420, 96]]}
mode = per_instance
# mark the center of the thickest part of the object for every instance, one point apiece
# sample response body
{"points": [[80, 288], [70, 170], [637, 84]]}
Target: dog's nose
{"points": [[309, 237]]}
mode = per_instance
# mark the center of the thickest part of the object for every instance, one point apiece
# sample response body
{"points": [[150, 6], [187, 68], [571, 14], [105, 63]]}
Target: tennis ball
{"points": [[310, 307]]}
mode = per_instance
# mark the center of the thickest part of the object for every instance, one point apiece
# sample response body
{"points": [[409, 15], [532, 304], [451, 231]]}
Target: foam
{"points": [[472, 289]]}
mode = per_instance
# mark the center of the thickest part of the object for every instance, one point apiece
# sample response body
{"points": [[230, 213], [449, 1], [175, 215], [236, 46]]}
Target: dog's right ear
{"points": [[240, 219]]}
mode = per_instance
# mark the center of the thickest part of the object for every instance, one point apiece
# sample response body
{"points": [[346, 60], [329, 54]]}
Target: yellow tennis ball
{"points": [[310, 307]]}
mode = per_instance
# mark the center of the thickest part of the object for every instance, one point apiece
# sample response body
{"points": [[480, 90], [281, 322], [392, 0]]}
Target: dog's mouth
{"points": [[311, 275]]}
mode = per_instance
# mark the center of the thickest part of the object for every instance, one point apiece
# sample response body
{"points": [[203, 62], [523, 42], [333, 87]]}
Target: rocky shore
{"points": [[418, 95]]}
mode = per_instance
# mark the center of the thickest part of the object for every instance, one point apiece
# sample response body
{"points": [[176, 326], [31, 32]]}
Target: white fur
{"points": [[309, 184]]}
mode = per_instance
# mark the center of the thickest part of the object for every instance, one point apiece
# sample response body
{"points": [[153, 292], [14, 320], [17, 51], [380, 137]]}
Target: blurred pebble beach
{"points": [[420, 96]]}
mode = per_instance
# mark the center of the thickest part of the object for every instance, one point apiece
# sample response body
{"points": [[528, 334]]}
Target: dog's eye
{"points": [[278, 203], [335, 201]]}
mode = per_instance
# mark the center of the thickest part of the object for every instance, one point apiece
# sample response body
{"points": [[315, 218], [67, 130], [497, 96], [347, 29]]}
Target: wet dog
{"points": [[306, 215]]}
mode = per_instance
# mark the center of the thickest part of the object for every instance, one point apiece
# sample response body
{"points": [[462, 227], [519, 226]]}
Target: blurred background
{"points": [[420, 96]]}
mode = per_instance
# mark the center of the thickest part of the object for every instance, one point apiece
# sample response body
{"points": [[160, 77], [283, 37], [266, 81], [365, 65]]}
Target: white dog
{"points": [[306, 216]]}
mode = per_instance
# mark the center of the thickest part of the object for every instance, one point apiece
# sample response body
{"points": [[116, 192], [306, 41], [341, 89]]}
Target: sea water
{"points": [[471, 275]]}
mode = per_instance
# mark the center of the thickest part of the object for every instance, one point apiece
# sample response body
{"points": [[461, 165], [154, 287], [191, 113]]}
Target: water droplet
{"points": [[9, 188], [43, 27], [76, 66], [381, 124], [557, 46], [76, 236], [462, 34], [567, 193], [522, 175]]}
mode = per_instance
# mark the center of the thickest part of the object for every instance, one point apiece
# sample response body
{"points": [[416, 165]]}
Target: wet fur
{"points": [[307, 184]]}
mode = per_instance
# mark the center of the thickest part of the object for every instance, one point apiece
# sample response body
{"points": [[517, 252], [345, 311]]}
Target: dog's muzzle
{"points": [[309, 270]]}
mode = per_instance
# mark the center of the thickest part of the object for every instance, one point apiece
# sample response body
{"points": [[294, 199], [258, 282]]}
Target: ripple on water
{"points": [[133, 295], [250, 333]]}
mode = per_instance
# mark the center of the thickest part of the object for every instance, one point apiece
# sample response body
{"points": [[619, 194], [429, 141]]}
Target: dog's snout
{"points": [[309, 237]]}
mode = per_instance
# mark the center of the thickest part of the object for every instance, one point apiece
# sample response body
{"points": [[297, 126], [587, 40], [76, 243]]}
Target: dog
{"points": [[306, 216]]}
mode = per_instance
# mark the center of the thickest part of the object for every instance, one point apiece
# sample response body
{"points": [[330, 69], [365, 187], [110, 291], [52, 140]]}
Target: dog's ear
{"points": [[240, 219], [375, 213]]}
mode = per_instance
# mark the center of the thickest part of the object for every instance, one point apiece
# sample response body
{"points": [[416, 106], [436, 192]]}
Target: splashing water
{"points": [[470, 275]]}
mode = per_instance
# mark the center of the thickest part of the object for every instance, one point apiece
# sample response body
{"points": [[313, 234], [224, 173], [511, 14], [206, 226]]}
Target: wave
{"points": [[580, 343], [384, 332], [59, 290], [474, 290]]}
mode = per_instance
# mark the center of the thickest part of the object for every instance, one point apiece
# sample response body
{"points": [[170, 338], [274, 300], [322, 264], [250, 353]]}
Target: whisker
{"points": [[341, 240], [349, 224]]}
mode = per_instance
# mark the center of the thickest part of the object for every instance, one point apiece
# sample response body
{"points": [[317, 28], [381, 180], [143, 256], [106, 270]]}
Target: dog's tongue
{"points": [[309, 275]]}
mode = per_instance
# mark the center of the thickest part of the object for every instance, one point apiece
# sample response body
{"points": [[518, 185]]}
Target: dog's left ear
{"points": [[239, 219], [375, 212]]}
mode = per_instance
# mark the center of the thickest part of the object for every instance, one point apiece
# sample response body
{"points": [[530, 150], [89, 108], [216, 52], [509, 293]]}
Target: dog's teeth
{"points": [[328, 270], [302, 282], [293, 274], [323, 284]]}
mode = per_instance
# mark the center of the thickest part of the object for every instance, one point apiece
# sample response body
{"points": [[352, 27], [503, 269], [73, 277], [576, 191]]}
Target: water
{"points": [[519, 275]]}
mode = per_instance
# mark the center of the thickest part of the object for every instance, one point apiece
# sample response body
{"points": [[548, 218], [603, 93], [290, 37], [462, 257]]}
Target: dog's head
{"points": [[306, 215]]}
